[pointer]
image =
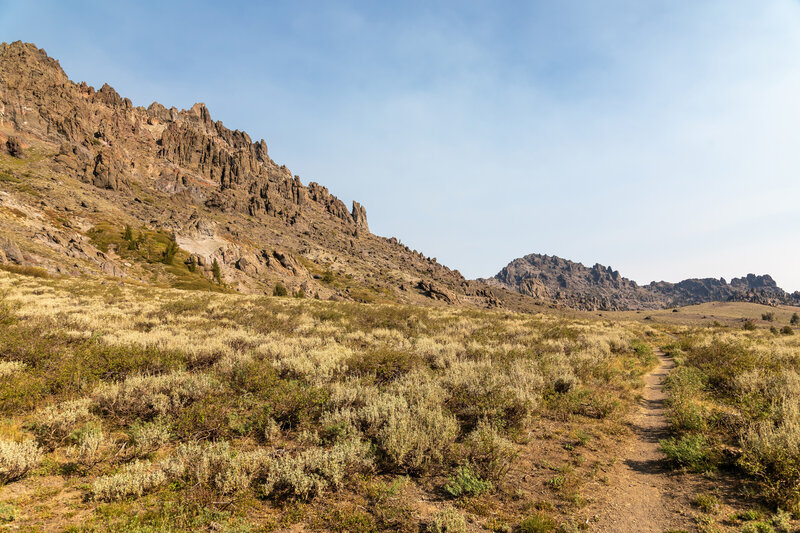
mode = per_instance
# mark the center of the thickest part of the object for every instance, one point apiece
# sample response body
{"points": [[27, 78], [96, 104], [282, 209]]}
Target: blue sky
{"points": [[660, 137]]}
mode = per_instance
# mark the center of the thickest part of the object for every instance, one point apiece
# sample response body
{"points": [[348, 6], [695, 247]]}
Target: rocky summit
{"points": [[577, 286], [91, 184]]}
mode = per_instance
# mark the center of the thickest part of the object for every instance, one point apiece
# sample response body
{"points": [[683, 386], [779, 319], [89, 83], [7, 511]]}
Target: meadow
{"points": [[135, 408], [735, 409]]}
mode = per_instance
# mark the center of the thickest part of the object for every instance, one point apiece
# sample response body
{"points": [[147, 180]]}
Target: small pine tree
{"points": [[170, 250], [128, 236], [191, 264], [279, 290], [216, 272], [140, 243]]}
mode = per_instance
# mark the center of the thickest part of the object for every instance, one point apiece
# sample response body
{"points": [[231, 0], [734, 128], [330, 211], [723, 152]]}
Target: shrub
{"points": [[88, 442], [689, 451], [280, 290], [487, 390], [147, 437], [466, 483], [327, 277], [8, 368], [385, 364], [489, 452], [313, 470], [17, 459], [749, 325], [772, 455], [448, 520], [787, 330], [758, 527], [143, 396], [134, 479], [537, 523], [795, 320], [768, 316], [708, 503], [216, 466], [410, 437], [55, 423]]}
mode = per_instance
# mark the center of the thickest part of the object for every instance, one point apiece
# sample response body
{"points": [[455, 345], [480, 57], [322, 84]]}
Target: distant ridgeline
{"points": [[602, 288]]}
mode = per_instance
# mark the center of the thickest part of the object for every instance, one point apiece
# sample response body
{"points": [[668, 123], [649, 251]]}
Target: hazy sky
{"points": [[660, 137]]}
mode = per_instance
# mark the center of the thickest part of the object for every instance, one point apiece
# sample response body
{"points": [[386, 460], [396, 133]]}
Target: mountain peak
{"points": [[602, 288]]}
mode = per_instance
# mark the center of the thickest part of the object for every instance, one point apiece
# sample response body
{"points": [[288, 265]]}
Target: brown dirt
{"points": [[641, 494]]}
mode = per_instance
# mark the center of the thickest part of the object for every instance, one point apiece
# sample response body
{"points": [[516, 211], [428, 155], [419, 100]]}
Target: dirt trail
{"points": [[639, 487]]}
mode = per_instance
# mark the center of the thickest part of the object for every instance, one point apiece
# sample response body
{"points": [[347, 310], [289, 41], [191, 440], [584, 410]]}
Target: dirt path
{"points": [[639, 487]]}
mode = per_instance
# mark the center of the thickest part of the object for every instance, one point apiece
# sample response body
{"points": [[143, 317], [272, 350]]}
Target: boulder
{"points": [[14, 147], [11, 251]]}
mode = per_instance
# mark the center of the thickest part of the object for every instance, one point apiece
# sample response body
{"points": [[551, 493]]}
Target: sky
{"points": [[661, 137]]}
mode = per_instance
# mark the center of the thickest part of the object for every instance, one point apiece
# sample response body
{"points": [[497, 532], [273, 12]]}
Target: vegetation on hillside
{"points": [[735, 405], [144, 407]]}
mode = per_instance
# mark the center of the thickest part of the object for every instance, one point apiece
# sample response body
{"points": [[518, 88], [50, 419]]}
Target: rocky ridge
{"points": [[577, 286], [79, 164]]}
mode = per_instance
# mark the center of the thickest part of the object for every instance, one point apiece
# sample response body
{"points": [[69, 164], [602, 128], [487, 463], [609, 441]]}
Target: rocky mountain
{"points": [[574, 285], [91, 184]]}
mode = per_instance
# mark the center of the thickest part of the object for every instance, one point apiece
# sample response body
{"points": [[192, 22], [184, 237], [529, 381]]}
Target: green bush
{"points": [[216, 272], [795, 319], [689, 451], [537, 523], [708, 503], [749, 325], [466, 483], [490, 453], [769, 316], [384, 364], [170, 251], [787, 330], [280, 290]]}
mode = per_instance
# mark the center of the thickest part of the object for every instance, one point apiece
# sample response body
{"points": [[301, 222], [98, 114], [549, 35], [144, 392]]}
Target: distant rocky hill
{"points": [[79, 166], [574, 285]]}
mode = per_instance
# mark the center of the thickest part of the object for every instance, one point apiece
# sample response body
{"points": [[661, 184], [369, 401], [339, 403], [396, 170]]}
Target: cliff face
{"points": [[80, 162], [574, 285], [602, 288], [107, 141]]}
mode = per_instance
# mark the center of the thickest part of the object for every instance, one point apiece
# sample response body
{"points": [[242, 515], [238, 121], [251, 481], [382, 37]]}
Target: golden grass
{"points": [[306, 402]]}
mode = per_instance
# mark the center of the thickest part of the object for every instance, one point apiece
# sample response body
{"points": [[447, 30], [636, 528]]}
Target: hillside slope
{"points": [[78, 165]]}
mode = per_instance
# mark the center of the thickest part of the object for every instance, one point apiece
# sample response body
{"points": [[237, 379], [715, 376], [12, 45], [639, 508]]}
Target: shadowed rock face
{"points": [[171, 170], [602, 288]]}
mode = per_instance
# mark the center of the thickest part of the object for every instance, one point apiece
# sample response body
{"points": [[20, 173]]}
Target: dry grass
{"points": [[199, 408], [735, 406]]}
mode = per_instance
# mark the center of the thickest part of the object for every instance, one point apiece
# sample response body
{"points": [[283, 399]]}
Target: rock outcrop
{"points": [[603, 288], [179, 172]]}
